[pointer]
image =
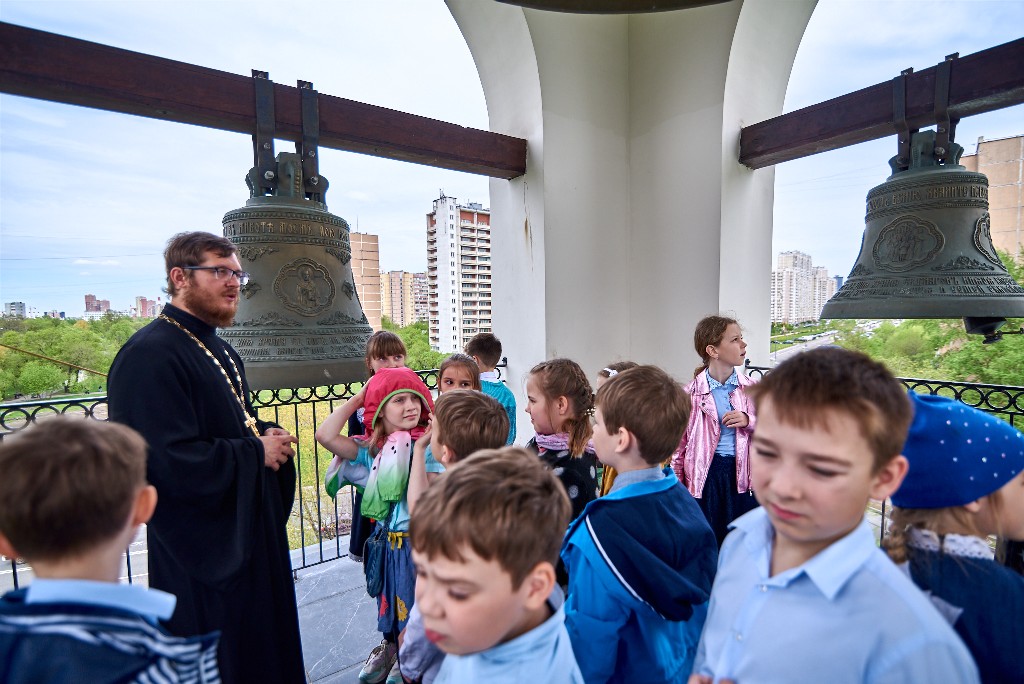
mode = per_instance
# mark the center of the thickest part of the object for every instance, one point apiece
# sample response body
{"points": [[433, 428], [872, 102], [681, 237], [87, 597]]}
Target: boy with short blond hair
{"points": [[641, 559], [485, 542], [485, 349], [803, 593], [74, 493]]}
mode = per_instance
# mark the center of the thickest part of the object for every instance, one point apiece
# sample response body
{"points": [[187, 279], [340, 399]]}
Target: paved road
{"points": [[785, 352]]}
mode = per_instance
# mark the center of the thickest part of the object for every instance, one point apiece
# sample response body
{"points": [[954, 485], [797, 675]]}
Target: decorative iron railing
{"points": [[317, 522], [1005, 401]]}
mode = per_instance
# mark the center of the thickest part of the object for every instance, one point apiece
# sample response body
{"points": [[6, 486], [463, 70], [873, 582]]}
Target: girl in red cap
{"points": [[397, 407]]}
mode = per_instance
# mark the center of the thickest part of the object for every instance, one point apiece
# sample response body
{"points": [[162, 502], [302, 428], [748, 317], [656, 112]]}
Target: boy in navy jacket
{"points": [[642, 558], [74, 493]]}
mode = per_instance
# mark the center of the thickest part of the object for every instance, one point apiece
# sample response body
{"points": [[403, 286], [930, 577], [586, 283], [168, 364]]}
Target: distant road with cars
{"points": [[800, 345]]}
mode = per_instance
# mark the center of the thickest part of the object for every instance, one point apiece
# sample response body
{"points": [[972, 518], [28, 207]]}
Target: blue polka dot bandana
{"points": [[957, 454]]}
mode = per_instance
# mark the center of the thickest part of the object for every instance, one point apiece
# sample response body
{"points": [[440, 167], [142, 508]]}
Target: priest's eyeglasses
{"points": [[221, 272]]}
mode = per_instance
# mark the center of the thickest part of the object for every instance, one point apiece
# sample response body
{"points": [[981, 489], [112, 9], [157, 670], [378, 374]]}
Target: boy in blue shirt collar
{"points": [[485, 541], [641, 559], [802, 592], [74, 493]]}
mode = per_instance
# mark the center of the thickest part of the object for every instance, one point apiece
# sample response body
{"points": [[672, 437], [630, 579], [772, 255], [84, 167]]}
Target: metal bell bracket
{"points": [[946, 127], [263, 140], [899, 119], [307, 148]]}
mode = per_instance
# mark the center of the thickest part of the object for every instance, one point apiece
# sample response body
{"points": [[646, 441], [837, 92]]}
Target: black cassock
{"points": [[217, 540]]}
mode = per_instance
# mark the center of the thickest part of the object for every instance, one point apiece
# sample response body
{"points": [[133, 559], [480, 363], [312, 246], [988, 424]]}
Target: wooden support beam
{"points": [[982, 82], [48, 66]]}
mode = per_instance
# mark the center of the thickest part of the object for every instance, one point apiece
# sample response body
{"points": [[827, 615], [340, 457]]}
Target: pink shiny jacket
{"points": [[693, 458]]}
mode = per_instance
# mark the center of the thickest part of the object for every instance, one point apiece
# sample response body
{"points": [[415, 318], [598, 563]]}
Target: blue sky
{"points": [[89, 197]]}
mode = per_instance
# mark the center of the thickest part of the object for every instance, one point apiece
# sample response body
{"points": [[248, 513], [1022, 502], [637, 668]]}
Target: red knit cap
{"points": [[390, 381]]}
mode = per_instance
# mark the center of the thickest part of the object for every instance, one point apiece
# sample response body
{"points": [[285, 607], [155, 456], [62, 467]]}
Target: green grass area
{"points": [[314, 513]]}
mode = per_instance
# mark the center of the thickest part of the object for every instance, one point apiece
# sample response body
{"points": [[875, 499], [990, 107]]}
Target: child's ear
{"points": [[6, 548], [625, 440], [145, 504], [447, 455], [562, 405], [889, 478], [538, 585], [973, 506]]}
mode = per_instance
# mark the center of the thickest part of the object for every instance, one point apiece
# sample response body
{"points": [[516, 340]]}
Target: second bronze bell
{"points": [[927, 248]]}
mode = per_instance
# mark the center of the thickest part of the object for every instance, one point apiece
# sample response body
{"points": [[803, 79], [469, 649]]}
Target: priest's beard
{"points": [[210, 308]]}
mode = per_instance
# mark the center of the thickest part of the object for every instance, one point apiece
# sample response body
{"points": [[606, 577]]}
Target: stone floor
{"points": [[337, 619]]}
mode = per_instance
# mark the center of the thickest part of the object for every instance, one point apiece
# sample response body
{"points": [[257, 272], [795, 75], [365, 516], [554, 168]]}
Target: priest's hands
{"points": [[277, 447]]}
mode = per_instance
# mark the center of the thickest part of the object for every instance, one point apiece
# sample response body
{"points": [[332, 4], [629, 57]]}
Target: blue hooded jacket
{"points": [[641, 561]]}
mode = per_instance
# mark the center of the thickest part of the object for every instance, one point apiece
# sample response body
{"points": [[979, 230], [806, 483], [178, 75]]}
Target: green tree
{"points": [[39, 377], [416, 338], [8, 384]]}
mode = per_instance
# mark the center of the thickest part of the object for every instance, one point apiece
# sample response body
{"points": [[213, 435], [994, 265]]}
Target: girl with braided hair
{"points": [[560, 400]]}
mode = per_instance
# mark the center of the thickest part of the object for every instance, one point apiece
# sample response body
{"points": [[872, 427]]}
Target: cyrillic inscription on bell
{"points": [[927, 248], [299, 322]]}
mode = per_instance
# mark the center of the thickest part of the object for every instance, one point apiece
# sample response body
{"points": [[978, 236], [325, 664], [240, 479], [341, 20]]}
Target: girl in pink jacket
{"points": [[713, 458]]}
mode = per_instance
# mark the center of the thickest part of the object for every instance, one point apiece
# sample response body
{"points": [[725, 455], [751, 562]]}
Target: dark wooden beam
{"points": [[48, 66], [982, 82]]}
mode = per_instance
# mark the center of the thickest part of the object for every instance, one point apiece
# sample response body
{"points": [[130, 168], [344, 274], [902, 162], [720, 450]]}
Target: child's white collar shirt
{"points": [[846, 615]]}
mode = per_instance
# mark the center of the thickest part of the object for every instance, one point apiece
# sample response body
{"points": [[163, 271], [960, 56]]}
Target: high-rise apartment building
{"points": [[366, 273], [397, 300], [799, 289], [15, 309], [824, 287], [93, 305], [420, 295], [458, 273], [146, 308], [1003, 162]]}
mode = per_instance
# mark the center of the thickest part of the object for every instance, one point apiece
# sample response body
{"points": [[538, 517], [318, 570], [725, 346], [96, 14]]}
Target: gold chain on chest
{"points": [[236, 390]]}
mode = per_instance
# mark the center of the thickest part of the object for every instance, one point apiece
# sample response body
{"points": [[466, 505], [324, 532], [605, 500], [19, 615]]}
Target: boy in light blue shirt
{"points": [[74, 493], [485, 542], [802, 593]]}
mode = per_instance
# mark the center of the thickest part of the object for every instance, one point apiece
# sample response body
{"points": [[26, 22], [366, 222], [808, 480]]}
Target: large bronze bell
{"points": [[299, 321], [927, 251]]}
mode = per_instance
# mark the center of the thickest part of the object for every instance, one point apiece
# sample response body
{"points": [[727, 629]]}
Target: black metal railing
{"points": [[317, 523]]}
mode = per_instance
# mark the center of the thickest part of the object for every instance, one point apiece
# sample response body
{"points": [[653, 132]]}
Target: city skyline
{"points": [[116, 187]]}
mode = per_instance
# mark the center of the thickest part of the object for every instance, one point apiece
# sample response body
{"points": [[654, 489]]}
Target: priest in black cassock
{"points": [[226, 481]]}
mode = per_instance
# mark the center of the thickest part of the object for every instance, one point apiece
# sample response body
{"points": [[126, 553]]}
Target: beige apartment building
{"points": [[366, 273], [403, 297], [1003, 162]]}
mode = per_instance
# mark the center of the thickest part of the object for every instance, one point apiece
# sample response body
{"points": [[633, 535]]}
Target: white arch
{"points": [[634, 217]]}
